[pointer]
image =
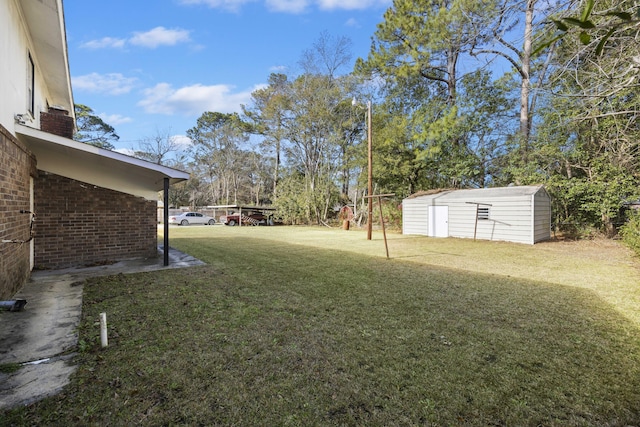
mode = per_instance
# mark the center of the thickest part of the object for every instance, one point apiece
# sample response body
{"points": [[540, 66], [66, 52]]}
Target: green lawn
{"points": [[313, 326]]}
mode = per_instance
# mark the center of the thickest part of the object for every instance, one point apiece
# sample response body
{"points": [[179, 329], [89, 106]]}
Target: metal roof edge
{"points": [[442, 192], [113, 155]]}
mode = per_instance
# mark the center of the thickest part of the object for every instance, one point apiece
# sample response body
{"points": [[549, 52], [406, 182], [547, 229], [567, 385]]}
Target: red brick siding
{"points": [[17, 164], [81, 224], [57, 122]]}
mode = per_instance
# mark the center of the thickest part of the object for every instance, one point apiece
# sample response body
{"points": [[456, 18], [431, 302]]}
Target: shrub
{"points": [[630, 232]]}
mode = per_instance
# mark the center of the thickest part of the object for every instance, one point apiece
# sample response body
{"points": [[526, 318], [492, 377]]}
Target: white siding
{"points": [[13, 67], [415, 217], [15, 46], [542, 216], [509, 219]]}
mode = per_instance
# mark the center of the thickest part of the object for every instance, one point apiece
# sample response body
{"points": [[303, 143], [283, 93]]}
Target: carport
{"points": [[240, 210]]}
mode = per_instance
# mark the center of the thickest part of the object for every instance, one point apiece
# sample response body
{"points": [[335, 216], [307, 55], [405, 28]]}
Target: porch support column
{"points": [[166, 222]]}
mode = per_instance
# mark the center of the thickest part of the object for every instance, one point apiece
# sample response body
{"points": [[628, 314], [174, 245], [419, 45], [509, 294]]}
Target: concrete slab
{"points": [[35, 382], [45, 331], [47, 325]]}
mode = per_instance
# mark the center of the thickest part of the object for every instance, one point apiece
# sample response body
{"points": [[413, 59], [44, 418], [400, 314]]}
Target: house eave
{"points": [[97, 166], [45, 21]]}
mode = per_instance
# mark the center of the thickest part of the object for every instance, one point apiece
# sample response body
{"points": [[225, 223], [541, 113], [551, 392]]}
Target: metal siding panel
{"points": [[461, 219], [415, 217], [510, 220], [542, 217]]}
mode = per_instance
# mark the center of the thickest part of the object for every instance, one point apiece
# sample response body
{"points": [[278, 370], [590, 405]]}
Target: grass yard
{"points": [[307, 326]]}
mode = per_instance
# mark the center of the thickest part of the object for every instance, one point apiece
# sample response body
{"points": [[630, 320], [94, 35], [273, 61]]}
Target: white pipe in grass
{"points": [[103, 330]]}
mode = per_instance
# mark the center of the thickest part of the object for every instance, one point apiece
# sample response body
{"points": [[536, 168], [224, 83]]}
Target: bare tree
{"points": [[157, 148], [327, 55]]}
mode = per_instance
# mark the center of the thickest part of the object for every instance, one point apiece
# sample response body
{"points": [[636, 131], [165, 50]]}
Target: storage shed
{"points": [[515, 214]]}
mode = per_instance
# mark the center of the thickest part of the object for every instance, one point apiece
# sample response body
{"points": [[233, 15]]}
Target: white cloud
{"points": [[105, 42], [193, 100], [181, 140], [352, 22], [278, 68], [288, 6], [292, 6], [110, 84], [230, 5], [351, 4], [115, 119], [160, 36]]}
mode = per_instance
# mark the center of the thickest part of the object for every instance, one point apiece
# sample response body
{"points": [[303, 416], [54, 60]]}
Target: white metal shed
{"points": [[515, 214]]}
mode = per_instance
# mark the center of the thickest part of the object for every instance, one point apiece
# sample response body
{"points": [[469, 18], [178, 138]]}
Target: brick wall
{"points": [[17, 165], [81, 224], [57, 122]]}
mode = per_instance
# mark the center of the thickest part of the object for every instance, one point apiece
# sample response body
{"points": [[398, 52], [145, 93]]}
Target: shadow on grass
{"points": [[276, 334]]}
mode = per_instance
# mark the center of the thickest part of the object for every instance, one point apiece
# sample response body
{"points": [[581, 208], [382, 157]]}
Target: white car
{"points": [[188, 218]]}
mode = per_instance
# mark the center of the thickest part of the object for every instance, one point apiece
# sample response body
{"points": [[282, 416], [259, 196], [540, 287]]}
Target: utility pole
{"points": [[369, 173], [354, 102]]}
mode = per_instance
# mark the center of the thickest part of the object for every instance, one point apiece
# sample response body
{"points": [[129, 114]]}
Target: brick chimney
{"points": [[58, 122]]}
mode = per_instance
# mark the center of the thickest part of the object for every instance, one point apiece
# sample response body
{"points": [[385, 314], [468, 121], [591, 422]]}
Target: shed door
{"points": [[439, 221]]}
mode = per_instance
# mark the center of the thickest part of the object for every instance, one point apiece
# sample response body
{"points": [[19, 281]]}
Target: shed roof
{"points": [[484, 193]]}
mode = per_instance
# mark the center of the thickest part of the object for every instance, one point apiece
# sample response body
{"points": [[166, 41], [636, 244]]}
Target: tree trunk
{"points": [[525, 72], [609, 228], [452, 62], [276, 171]]}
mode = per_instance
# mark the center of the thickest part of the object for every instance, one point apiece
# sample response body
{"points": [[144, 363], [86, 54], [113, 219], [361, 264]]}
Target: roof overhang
{"points": [[45, 19], [97, 166]]}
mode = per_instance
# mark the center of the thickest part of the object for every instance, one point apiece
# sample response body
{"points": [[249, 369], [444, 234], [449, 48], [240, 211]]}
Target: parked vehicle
{"points": [[255, 218], [188, 218]]}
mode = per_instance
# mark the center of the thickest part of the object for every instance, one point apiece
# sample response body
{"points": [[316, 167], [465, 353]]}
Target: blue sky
{"points": [[156, 66]]}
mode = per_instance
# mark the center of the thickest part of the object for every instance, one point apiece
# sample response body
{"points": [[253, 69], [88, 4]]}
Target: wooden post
{"points": [[475, 229], [384, 232]]}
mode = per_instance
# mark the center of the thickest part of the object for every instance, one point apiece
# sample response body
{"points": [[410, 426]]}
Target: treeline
{"points": [[464, 94]]}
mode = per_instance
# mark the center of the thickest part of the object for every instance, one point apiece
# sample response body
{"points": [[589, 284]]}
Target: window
{"points": [[30, 85], [483, 212]]}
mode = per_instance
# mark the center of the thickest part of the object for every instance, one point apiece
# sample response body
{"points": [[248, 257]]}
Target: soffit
{"points": [[97, 166], [45, 22]]}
